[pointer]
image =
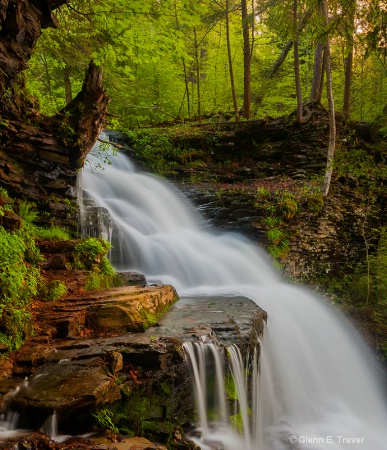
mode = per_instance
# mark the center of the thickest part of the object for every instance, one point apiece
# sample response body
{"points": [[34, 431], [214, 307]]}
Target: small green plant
{"points": [[262, 193], [90, 255], [53, 234], [28, 216], [288, 203], [19, 283], [104, 418], [52, 291]]}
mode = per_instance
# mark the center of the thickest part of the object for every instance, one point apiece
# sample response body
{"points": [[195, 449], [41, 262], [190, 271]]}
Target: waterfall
{"points": [[318, 385], [219, 422]]}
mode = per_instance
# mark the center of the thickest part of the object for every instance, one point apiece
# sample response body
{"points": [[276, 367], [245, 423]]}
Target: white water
{"points": [[318, 384]]}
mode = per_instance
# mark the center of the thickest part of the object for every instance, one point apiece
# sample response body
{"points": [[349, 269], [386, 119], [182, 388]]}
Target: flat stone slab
{"points": [[230, 320], [120, 310]]}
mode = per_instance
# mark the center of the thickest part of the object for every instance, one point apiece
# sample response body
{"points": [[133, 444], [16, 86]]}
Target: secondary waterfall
{"points": [[318, 386]]}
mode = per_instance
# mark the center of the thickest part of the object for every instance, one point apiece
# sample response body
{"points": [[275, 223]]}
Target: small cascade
{"points": [[224, 390], [50, 427], [8, 424], [10, 419]]}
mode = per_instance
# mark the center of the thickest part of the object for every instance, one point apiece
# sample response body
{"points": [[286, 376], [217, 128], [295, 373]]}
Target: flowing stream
{"points": [[318, 387]]}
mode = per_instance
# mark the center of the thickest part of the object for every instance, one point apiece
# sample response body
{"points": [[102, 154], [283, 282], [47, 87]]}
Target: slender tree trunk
{"points": [[297, 64], [67, 84], [187, 88], [348, 62], [323, 70], [332, 122], [246, 61], [288, 47], [230, 66], [198, 76], [280, 59], [315, 93], [347, 84], [184, 69]]}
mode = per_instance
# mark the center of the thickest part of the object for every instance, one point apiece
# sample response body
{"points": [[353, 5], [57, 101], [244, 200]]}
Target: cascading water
{"points": [[319, 386], [206, 362]]}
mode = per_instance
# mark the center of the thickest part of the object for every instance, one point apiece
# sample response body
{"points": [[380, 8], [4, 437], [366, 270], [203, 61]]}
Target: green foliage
{"points": [[53, 234], [288, 204], [104, 419], [52, 291], [19, 282], [89, 255], [152, 51], [366, 284], [28, 216], [157, 150], [97, 280], [362, 166]]}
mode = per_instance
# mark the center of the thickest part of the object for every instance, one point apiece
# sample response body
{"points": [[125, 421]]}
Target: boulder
{"points": [[132, 278]]}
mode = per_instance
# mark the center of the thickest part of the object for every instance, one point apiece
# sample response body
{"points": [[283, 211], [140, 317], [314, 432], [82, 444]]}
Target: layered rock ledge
{"points": [[112, 350]]}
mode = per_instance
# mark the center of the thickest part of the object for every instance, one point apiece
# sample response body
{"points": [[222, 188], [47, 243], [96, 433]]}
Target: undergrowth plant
{"points": [[20, 279], [90, 255], [20, 274], [279, 208], [159, 152], [104, 418], [53, 290]]}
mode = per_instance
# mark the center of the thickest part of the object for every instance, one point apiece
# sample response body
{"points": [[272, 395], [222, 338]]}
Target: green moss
{"points": [[150, 319], [53, 234], [230, 387], [96, 280], [52, 291]]}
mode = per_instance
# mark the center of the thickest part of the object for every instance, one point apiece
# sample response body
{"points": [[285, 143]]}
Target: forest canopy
{"points": [[175, 59]]}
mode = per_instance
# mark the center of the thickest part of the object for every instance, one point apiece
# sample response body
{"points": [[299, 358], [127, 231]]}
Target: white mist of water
{"points": [[318, 386]]}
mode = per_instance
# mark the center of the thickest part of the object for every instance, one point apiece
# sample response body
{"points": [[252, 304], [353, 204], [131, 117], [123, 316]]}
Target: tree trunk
{"points": [[323, 70], [246, 62], [348, 62], [230, 66], [65, 138], [347, 85], [39, 154], [332, 122], [21, 22], [198, 76], [187, 88], [315, 93], [67, 84], [297, 64], [288, 46]]}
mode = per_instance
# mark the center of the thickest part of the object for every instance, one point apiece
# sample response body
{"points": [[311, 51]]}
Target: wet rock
{"points": [[116, 362], [4, 348], [65, 388], [10, 220], [56, 262], [116, 310], [228, 320], [133, 278], [127, 312]]}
